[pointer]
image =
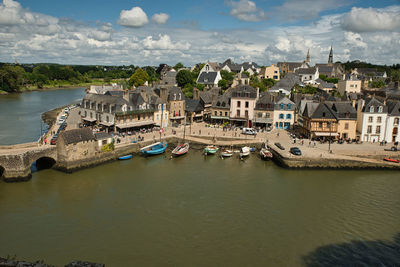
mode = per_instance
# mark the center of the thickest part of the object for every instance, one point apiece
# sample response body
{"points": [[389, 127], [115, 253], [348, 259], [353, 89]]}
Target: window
{"points": [[346, 126], [246, 104], [85, 113], [380, 109], [289, 106], [396, 121], [216, 113], [378, 129], [226, 114], [238, 104], [282, 106], [138, 117], [379, 120], [107, 119], [288, 116], [267, 115], [157, 116], [246, 113], [281, 116], [323, 114], [220, 113], [238, 113], [91, 115], [371, 109], [320, 125], [370, 119], [369, 129]]}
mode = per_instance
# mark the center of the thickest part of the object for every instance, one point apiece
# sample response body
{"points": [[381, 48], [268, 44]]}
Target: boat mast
{"points": [[184, 128], [161, 126]]}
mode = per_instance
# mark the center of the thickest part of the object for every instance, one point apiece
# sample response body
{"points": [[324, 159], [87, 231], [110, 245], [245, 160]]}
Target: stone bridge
{"points": [[16, 161]]}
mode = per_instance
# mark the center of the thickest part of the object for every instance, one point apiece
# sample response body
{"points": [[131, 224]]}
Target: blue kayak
{"points": [[125, 157], [155, 149]]}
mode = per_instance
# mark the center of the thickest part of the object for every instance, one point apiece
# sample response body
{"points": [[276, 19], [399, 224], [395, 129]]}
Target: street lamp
{"points": [[330, 136]]}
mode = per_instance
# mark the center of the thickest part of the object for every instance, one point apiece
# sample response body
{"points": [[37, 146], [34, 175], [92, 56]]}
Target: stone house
{"points": [[243, 102], [350, 85], [102, 139], [308, 74], [392, 122], [220, 109], [290, 67], [194, 110], [371, 120], [176, 102], [209, 79], [271, 72], [240, 79], [264, 111], [75, 145], [284, 113], [285, 85], [346, 115]]}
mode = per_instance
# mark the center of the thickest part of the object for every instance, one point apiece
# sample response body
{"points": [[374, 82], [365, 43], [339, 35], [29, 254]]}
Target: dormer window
{"points": [[371, 109], [380, 109], [174, 96], [323, 114], [180, 96]]}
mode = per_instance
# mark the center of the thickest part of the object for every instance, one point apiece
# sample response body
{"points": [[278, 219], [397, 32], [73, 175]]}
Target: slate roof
{"points": [[207, 77], [287, 82], [309, 109], [193, 105], [118, 93], [222, 101], [373, 102], [244, 91], [306, 71], [291, 65], [265, 102], [323, 111], [284, 100], [77, 135], [172, 91], [393, 108], [323, 68], [344, 110]]}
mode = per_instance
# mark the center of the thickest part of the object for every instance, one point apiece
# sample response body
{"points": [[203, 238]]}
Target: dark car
{"points": [[295, 151], [280, 146], [53, 141]]}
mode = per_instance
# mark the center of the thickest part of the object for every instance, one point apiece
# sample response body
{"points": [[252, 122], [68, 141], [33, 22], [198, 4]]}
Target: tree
{"points": [[188, 90], [11, 78], [377, 84], [223, 84], [178, 66], [183, 78], [139, 78], [395, 74], [153, 75]]}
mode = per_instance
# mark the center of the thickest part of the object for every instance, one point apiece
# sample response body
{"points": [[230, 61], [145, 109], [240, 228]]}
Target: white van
{"points": [[249, 131]]}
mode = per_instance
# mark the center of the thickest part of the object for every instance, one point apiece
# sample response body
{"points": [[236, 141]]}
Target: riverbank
{"points": [[18, 263]]}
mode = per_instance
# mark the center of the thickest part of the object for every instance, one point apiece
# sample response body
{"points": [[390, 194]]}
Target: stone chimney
{"points": [[322, 99], [196, 94], [213, 97], [125, 95], [164, 94], [258, 93]]}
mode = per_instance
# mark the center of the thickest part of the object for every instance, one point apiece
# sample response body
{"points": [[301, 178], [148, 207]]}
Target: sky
{"points": [[143, 32]]}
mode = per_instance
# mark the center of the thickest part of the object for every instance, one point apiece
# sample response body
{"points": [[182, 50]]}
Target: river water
{"points": [[197, 211], [20, 114], [193, 211]]}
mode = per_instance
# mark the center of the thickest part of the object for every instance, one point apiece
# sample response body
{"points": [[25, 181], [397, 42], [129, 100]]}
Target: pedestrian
{"points": [[199, 131], [277, 134], [314, 143], [309, 143]]}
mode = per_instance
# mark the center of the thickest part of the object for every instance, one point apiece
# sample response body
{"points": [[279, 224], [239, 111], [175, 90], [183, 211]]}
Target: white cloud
{"points": [[163, 43], [134, 17], [371, 19], [246, 10], [160, 18]]}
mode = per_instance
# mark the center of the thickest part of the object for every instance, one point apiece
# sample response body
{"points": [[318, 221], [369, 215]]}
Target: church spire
{"points": [[308, 56], [330, 60]]}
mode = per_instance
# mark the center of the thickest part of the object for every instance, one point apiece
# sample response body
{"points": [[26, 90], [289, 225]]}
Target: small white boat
{"points": [[180, 150], [244, 152], [226, 153], [265, 154]]}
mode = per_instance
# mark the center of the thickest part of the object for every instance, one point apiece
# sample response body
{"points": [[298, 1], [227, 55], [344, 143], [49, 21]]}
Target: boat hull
{"points": [[265, 154], [391, 160], [244, 152], [210, 150], [125, 157], [226, 153], [154, 149], [180, 150]]}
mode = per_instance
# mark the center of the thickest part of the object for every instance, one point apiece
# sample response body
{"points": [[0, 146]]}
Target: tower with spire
{"points": [[308, 57], [330, 60]]}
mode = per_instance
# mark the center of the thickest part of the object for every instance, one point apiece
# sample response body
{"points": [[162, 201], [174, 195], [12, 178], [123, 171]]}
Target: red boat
{"points": [[391, 160], [180, 149]]}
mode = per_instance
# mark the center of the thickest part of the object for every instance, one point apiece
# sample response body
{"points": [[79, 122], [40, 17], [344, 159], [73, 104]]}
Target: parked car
{"points": [[249, 131], [53, 140], [279, 146], [295, 151]]}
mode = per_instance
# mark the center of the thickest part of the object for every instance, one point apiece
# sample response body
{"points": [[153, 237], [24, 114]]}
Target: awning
{"points": [[198, 115], [238, 119], [325, 134], [262, 120], [177, 118], [134, 124], [108, 124], [219, 118], [89, 119]]}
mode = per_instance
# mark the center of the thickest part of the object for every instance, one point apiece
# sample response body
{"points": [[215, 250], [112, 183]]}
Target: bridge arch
{"points": [[2, 170], [43, 162]]}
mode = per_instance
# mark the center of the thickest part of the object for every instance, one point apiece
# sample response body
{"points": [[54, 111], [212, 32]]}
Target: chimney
{"points": [[196, 94], [164, 94], [213, 97], [258, 92], [322, 99], [125, 95]]}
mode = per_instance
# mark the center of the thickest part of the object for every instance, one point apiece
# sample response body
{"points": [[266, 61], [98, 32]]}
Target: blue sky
{"points": [[127, 32]]}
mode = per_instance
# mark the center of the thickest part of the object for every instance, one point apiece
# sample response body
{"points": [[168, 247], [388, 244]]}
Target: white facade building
{"points": [[284, 114], [371, 120], [392, 122]]}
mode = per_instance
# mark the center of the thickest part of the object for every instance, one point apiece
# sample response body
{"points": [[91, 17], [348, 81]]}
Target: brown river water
{"points": [[203, 211]]}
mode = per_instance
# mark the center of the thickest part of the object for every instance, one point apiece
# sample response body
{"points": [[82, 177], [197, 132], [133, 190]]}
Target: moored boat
{"points": [[155, 149], [211, 149], [391, 160], [180, 150], [125, 157], [244, 152], [265, 154], [226, 153]]}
